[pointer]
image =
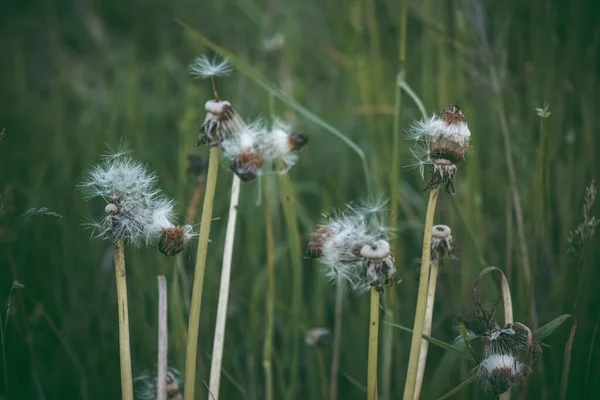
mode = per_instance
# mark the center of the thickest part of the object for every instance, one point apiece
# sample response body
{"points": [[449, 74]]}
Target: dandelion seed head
{"points": [[498, 372], [146, 385], [204, 67]]}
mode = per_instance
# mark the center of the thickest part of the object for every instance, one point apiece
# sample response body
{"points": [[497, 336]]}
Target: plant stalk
{"points": [[219, 338], [433, 275], [373, 342], [194, 320], [415, 346], [124, 346], [337, 339], [270, 301], [163, 340]]}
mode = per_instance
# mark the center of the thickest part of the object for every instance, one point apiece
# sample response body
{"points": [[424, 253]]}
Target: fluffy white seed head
{"points": [[376, 251], [134, 203], [502, 361], [498, 372], [146, 385], [436, 128], [204, 67], [280, 143]]}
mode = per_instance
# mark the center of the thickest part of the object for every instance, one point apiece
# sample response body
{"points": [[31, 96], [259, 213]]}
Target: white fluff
{"points": [[203, 67], [435, 128], [501, 361], [216, 107]]}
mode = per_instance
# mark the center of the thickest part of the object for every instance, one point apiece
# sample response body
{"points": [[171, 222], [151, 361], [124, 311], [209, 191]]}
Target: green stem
{"points": [[373, 342], [433, 275], [194, 320], [321, 366], [270, 303], [415, 346], [124, 346], [337, 339]]}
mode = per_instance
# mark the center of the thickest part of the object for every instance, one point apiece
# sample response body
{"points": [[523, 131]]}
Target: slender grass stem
{"points": [[163, 340], [415, 346], [270, 301], [373, 346], [337, 340], [219, 338], [433, 275], [194, 320], [405, 86], [388, 334], [124, 346], [322, 375]]}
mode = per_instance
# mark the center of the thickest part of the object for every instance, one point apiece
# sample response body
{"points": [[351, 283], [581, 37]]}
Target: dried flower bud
{"points": [[173, 240], [220, 123], [315, 336], [442, 142], [498, 372], [247, 165], [379, 264], [442, 244]]}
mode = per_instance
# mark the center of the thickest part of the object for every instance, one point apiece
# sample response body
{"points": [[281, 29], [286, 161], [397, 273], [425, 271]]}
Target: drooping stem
{"points": [[373, 346], [427, 326], [219, 338], [194, 320], [124, 347], [163, 340], [337, 339], [270, 301], [415, 345]]}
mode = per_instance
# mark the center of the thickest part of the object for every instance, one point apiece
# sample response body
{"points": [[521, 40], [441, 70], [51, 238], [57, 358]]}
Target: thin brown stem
{"points": [[124, 342], [373, 346]]}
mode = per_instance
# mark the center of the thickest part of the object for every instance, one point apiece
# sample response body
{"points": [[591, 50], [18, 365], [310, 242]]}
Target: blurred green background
{"points": [[78, 74]]}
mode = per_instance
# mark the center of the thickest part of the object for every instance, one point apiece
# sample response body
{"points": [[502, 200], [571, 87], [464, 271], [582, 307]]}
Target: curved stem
{"points": [[194, 321], [219, 338], [415, 345], [373, 342], [124, 346], [433, 275]]}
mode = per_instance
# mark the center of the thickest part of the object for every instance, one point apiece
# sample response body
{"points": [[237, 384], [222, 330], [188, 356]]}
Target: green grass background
{"points": [[78, 74]]}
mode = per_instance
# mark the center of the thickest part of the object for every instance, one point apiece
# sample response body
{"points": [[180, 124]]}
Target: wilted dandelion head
{"points": [[174, 239], [221, 122], [498, 372], [134, 203], [241, 151], [441, 142], [281, 143], [442, 244], [146, 385], [204, 67], [354, 249]]}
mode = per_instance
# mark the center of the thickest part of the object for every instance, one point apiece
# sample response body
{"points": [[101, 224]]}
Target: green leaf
{"points": [[435, 342], [460, 387], [543, 332]]}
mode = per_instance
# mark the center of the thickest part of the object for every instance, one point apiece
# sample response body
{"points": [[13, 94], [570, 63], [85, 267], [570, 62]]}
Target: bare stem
{"points": [[433, 275], [373, 342], [417, 337], [194, 321], [270, 303], [163, 340], [124, 347], [219, 338], [337, 339]]}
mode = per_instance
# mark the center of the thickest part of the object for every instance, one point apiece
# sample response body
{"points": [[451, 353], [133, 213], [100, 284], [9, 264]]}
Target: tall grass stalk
{"points": [[388, 334], [124, 342], [415, 346], [219, 338], [433, 275], [337, 341], [194, 320], [373, 346], [270, 300], [163, 340]]}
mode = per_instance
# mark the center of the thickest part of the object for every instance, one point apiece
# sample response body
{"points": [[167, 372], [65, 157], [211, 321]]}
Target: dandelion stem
{"points": [[321, 366], [415, 346], [194, 321], [219, 338], [270, 303], [337, 339], [433, 275], [163, 340], [373, 342], [124, 347]]}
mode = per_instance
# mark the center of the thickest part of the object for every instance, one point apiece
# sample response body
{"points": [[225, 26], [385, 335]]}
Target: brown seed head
{"points": [[452, 114], [315, 246], [247, 164], [297, 141], [444, 148], [172, 241]]}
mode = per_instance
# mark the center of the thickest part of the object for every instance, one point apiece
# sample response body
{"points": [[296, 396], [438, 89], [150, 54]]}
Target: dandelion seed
{"points": [[281, 143], [204, 68]]}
